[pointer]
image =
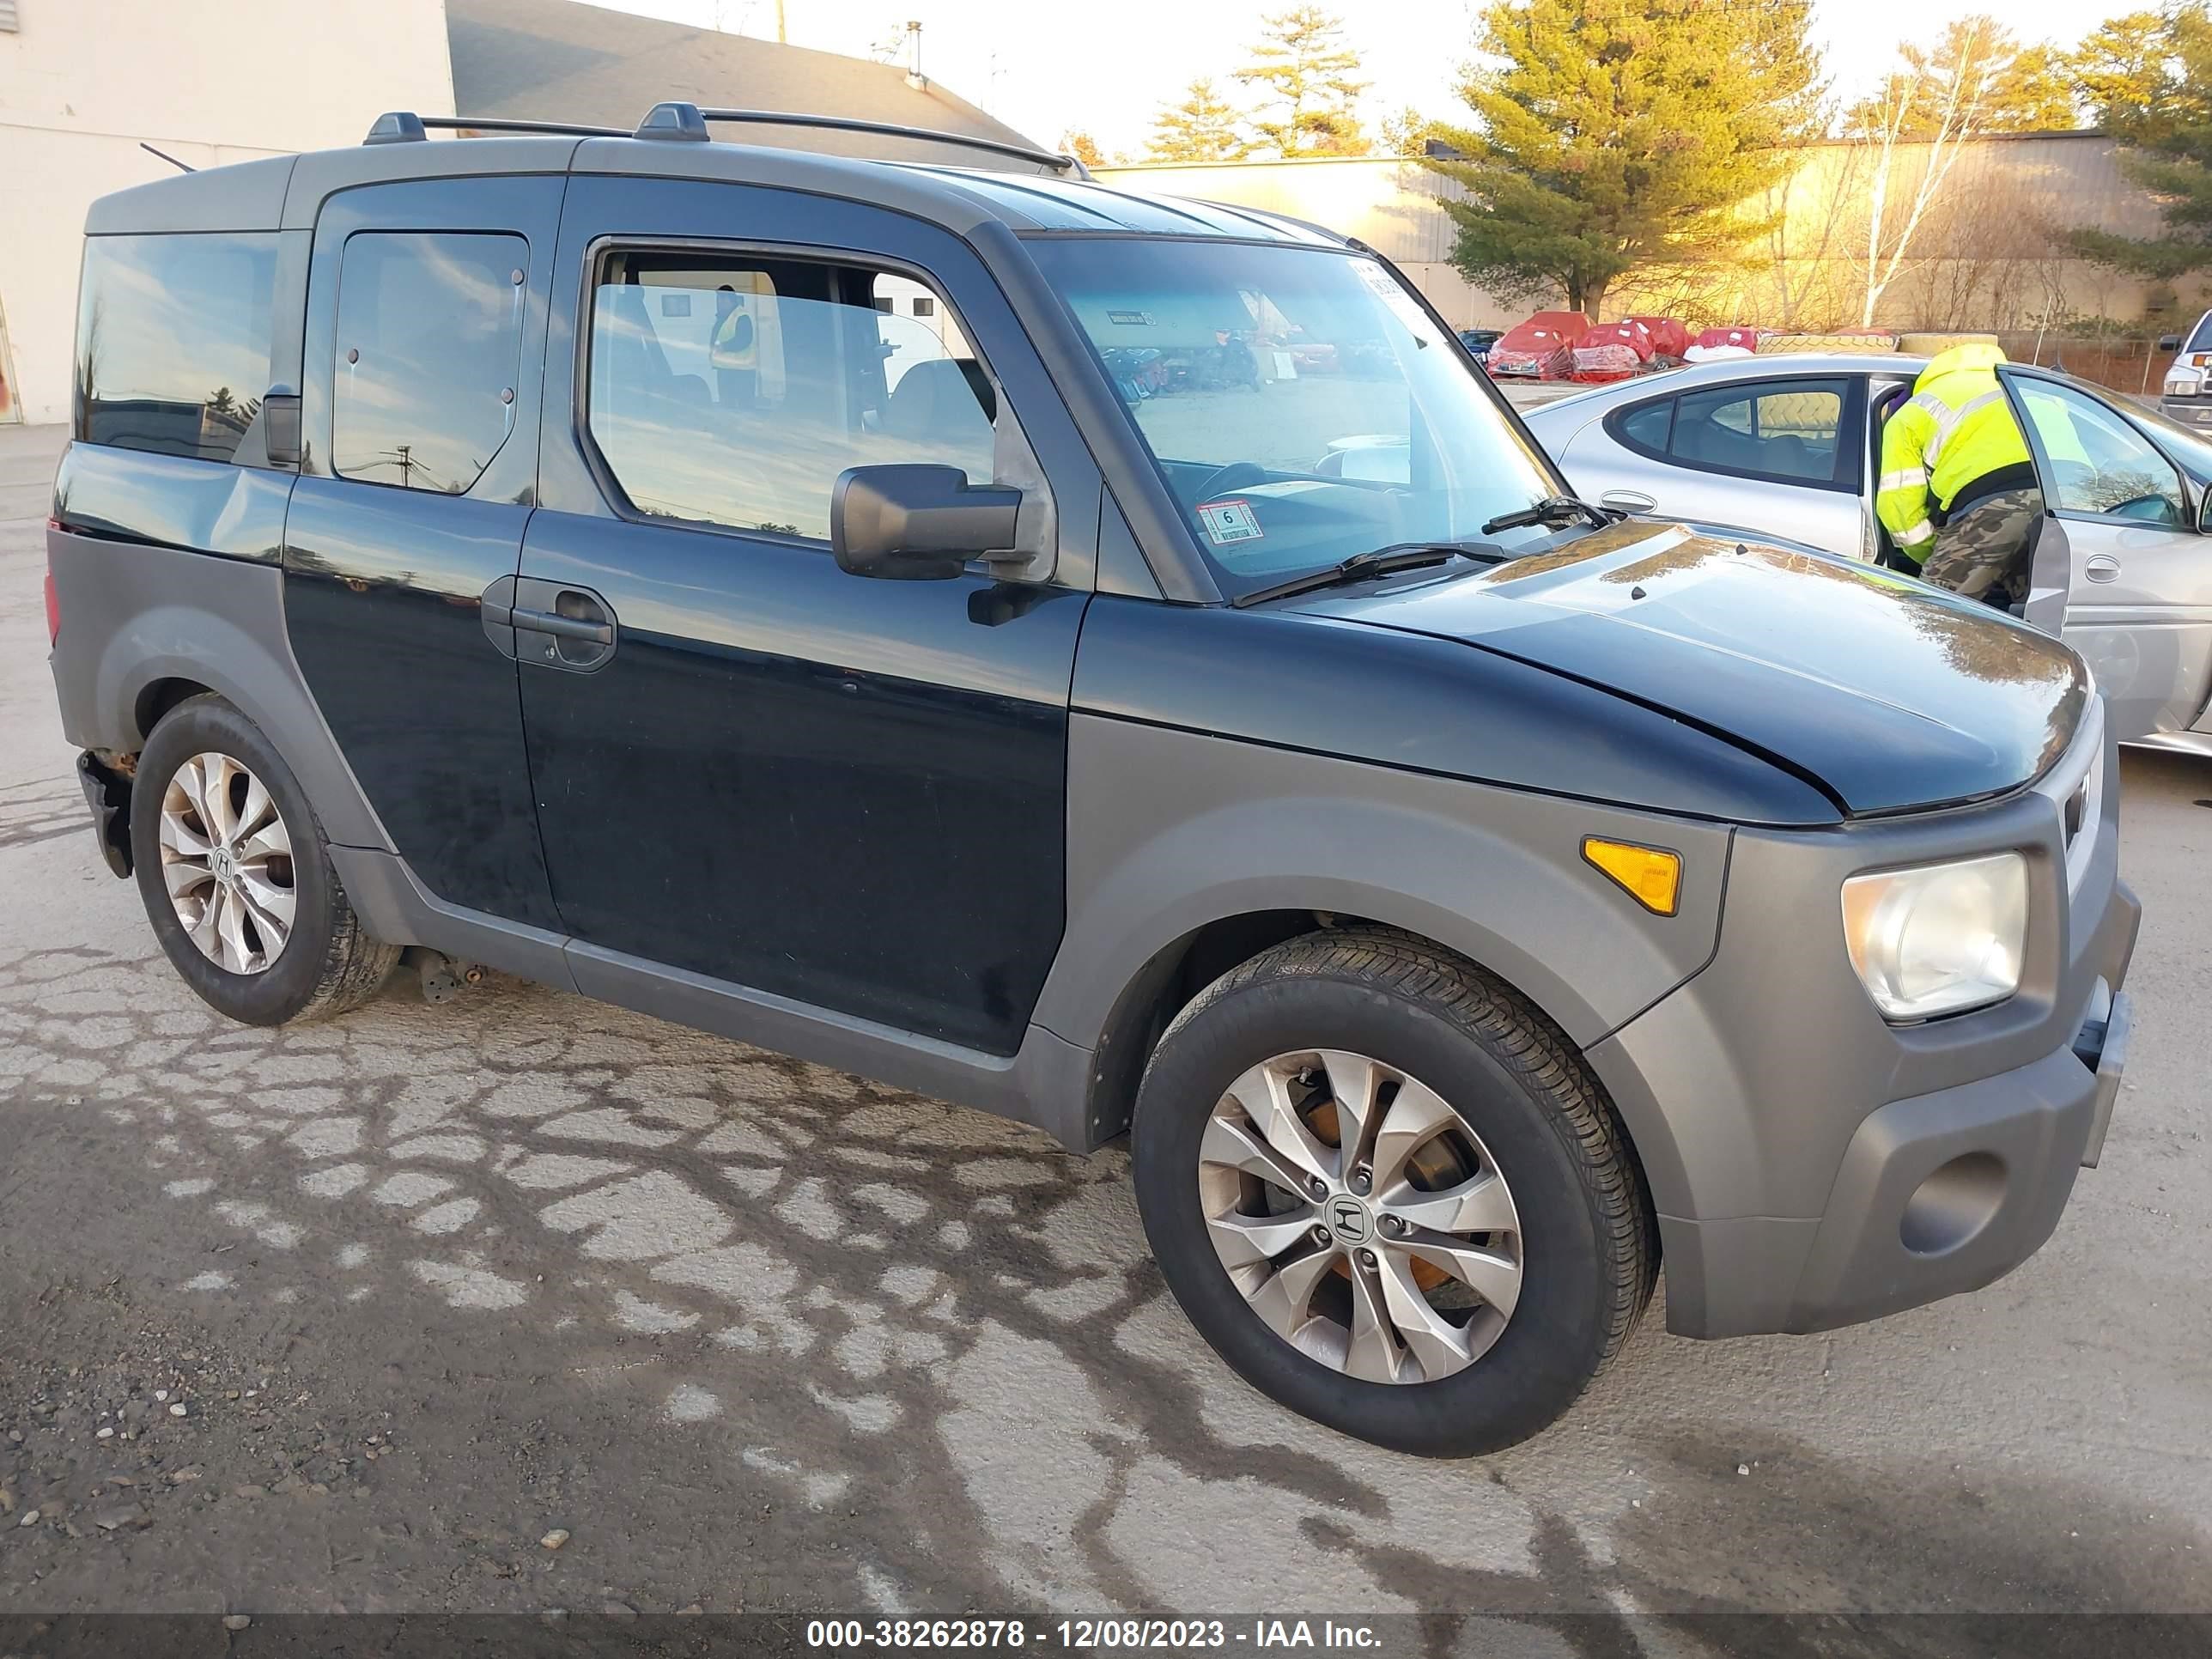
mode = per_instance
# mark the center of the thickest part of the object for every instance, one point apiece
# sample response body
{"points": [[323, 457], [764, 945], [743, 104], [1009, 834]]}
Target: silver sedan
{"points": [[1791, 445]]}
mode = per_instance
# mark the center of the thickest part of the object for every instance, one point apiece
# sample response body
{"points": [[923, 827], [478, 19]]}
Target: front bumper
{"points": [[1950, 1191], [2190, 411], [1813, 1166]]}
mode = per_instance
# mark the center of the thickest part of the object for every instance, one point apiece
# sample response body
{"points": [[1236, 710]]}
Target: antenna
{"points": [[181, 166]]}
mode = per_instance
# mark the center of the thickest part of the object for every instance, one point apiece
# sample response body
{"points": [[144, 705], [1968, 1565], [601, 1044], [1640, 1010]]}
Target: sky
{"points": [[1048, 69]]}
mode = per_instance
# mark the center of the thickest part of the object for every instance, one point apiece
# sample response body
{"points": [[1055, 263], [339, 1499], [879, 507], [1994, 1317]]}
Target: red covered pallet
{"points": [[1612, 352], [1670, 338], [1538, 350]]}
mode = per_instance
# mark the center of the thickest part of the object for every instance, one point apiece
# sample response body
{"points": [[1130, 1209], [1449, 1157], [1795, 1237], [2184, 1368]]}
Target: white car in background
{"points": [[1791, 445], [2185, 395]]}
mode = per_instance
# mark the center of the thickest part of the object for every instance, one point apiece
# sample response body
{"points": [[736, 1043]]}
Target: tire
{"points": [[324, 964], [1516, 1101]]}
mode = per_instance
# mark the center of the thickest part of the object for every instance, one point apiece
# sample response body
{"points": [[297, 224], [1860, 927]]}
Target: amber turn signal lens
{"points": [[1650, 875]]}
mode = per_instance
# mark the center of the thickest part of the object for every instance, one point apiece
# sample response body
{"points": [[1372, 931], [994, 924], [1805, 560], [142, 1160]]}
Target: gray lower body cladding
{"points": [[1788, 1134], [134, 616]]}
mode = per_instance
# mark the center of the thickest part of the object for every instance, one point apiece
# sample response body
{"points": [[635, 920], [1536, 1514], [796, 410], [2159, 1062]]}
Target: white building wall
{"points": [[83, 82]]}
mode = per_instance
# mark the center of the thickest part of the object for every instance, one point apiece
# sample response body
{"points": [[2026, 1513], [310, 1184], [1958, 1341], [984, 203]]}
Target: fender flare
{"points": [[227, 634]]}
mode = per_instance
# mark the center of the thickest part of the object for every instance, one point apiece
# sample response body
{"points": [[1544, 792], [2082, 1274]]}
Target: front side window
{"points": [[1300, 406], [2096, 462], [1787, 432], [430, 344], [172, 341], [732, 390]]}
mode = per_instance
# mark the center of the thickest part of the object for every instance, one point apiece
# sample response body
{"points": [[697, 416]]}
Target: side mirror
{"points": [[918, 523], [2169, 342], [2204, 510]]}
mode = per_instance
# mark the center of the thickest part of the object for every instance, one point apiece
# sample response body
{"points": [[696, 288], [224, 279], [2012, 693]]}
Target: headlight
{"points": [[1939, 937]]}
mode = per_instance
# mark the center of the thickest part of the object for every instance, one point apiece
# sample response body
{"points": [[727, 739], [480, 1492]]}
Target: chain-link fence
{"points": [[2133, 365]]}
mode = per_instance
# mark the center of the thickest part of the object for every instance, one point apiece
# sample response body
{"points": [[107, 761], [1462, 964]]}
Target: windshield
{"points": [[1301, 406]]}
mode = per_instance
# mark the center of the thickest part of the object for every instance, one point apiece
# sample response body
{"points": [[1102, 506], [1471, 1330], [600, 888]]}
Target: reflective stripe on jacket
{"points": [[1957, 428]]}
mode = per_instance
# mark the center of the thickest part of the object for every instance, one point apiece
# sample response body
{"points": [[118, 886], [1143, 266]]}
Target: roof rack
{"points": [[401, 127], [685, 123]]}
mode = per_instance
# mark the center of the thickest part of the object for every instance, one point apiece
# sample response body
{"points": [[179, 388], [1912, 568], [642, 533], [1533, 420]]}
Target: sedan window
{"points": [[2096, 462], [1787, 431]]}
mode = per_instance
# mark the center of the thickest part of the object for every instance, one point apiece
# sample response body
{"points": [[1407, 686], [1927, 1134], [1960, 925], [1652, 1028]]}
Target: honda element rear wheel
{"points": [[236, 876], [1383, 1187]]}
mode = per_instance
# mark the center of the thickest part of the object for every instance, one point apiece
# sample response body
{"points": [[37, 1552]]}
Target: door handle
{"points": [[2101, 568], [562, 628], [1628, 500], [557, 626]]}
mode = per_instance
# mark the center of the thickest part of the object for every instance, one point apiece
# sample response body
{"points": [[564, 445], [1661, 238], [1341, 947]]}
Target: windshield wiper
{"points": [[1381, 562], [1551, 510]]}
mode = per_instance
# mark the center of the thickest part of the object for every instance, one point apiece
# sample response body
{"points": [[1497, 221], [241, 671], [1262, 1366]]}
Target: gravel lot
{"points": [[355, 1318]]}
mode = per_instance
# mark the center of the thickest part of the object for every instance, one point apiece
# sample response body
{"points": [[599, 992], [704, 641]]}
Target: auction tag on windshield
{"points": [[1380, 283], [1230, 522]]}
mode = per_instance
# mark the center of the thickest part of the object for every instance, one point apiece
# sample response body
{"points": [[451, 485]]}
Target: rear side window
{"points": [[1790, 431], [1646, 428], [733, 390], [172, 341], [429, 341]]}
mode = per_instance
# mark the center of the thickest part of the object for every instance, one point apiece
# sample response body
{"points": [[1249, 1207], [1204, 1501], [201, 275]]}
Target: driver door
{"points": [[2118, 556]]}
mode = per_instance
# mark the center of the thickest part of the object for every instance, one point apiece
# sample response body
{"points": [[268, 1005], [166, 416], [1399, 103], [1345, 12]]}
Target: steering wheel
{"points": [[1235, 475]]}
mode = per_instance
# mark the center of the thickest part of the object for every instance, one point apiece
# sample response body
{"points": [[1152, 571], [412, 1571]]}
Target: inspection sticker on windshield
{"points": [[1230, 522]]}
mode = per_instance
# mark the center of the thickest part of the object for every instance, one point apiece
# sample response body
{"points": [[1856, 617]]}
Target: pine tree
{"points": [[2147, 79], [1621, 135], [1306, 71], [1204, 127]]}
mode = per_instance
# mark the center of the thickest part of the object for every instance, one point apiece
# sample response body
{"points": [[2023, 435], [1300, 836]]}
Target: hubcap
{"points": [[1362, 1219], [226, 860]]}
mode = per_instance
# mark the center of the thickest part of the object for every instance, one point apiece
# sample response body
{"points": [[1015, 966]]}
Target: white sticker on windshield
{"points": [[1380, 284], [1230, 522]]}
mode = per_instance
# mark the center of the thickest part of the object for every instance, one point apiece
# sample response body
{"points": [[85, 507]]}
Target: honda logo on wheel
{"points": [[1349, 1220]]}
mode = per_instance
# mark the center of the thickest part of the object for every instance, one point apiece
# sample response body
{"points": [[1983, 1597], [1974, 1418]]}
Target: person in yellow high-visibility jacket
{"points": [[1958, 491]]}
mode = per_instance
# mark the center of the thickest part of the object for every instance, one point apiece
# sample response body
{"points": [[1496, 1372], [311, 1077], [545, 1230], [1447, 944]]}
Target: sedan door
{"points": [[2121, 531], [1783, 456]]}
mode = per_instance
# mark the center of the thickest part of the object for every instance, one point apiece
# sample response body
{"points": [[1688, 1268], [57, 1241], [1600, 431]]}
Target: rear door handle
{"points": [[1628, 500], [2101, 568], [562, 628]]}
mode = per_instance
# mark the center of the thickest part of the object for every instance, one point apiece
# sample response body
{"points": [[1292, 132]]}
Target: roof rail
{"points": [[686, 122], [401, 127]]}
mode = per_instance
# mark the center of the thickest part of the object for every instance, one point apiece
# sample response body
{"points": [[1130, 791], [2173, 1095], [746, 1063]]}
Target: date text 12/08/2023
{"points": [[1086, 1634]]}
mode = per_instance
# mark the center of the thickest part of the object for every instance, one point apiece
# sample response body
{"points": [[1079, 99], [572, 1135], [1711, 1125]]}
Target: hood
{"points": [[1886, 693], [1959, 357]]}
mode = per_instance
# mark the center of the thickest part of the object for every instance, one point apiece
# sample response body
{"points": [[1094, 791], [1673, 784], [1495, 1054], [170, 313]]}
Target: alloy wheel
{"points": [[227, 862], [1361, 1218]]}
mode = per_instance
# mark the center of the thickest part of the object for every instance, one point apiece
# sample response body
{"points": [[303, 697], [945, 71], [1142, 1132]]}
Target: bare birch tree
{"points": [[1936, 104]]}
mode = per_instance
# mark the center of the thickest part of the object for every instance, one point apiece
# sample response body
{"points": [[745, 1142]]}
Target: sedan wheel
{"points": [[226, 863], [1360, 1217]]}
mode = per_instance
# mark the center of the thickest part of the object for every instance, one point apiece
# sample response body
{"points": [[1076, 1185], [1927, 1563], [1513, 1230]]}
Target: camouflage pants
{"points": [[1982, 553]]}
